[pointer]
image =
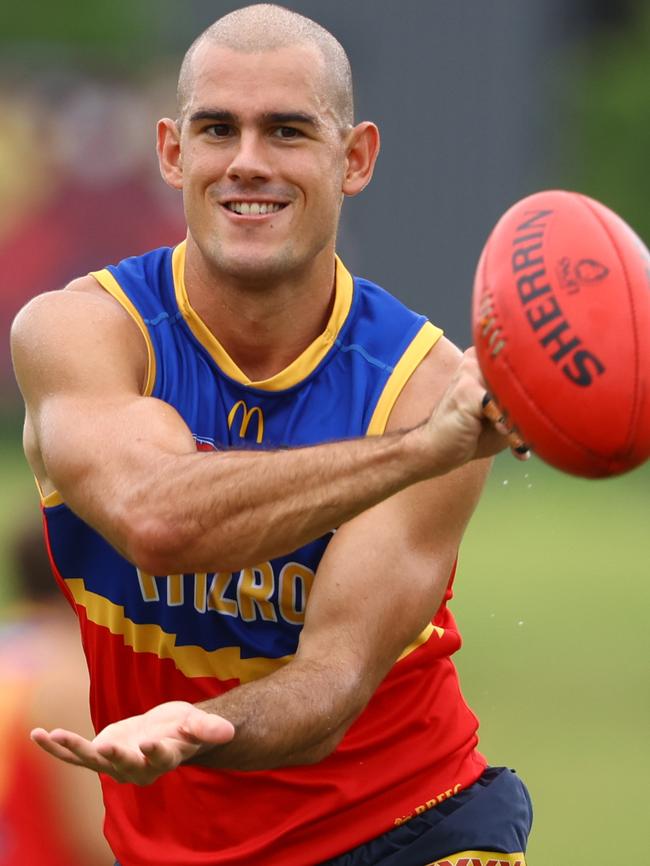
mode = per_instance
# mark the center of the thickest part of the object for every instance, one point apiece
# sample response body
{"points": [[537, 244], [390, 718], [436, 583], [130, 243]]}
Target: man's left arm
{"points": [[381, 580]]}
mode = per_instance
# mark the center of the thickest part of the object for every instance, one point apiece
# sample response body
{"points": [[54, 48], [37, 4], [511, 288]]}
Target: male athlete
{"points": [[256, 471]]}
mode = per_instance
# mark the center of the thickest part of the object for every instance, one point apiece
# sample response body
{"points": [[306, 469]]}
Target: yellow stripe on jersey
{"points": [[422, 343], [303, 365], [481, 858], [192, 661], [108, 282]]}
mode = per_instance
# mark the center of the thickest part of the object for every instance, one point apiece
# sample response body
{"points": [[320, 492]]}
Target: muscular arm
{"points": [[381, 580], [394, 557], [80, 362]]}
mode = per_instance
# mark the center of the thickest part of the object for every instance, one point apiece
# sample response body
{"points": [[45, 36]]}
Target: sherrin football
{"points": [[561, 325]]}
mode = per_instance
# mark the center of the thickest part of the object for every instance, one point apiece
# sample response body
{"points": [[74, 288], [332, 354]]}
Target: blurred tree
{"points": [[117, 28], [610, 101]]}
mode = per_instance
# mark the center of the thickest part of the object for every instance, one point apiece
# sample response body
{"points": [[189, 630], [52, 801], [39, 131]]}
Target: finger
{"points": [[42, 738], [121, 759], [161, 756], [204, 727], [498, 419], [128, 765], [71, 748]]}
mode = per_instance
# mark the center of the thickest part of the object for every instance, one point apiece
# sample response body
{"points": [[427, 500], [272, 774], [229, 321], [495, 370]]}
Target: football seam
{"points": [[575, 443], [629, 438]]}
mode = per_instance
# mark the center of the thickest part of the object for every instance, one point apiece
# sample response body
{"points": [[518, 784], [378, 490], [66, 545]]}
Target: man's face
{"points": [[262, 158]]}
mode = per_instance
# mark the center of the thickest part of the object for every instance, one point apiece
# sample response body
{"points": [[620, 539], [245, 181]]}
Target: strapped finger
{"points": [[494, 414]]}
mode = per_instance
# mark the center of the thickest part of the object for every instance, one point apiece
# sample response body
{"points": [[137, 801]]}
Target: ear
{"points": [[362, 150], [168, 147]]}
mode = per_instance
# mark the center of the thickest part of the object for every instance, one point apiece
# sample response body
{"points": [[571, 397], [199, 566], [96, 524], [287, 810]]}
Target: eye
{"points": [[219, 130], [287, 132]]}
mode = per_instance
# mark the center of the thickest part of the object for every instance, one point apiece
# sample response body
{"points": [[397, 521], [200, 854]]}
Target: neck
{"points": [[263, 324]]}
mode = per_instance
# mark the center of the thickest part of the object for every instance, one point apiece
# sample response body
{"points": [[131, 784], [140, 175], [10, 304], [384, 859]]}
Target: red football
{"points": [[561, 325]]}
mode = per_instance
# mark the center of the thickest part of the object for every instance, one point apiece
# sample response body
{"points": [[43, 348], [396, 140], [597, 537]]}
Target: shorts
{"points": [[487, 824]]}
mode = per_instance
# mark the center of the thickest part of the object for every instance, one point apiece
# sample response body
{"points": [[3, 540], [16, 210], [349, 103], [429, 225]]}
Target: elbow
{"points": [[323, 749], [158, 546], [149, 544]]}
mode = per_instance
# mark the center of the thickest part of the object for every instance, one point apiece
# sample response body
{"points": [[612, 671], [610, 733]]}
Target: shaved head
{"points": [[265, 27]]}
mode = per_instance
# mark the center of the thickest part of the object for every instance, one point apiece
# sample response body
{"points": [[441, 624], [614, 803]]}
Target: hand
{"points": [[467, 423], [141, 748]]}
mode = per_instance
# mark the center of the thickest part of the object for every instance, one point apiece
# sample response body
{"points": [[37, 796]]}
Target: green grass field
{"points": [[552, 598]]}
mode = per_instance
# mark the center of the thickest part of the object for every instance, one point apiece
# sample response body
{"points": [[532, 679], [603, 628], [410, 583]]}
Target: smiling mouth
{"points": [[253, 208]]}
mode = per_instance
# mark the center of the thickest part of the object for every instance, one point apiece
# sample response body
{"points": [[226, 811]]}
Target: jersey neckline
{"points": [[297, 370]]}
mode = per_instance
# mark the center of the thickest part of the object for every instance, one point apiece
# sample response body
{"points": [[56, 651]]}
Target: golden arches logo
{"points": [[246, 419]]}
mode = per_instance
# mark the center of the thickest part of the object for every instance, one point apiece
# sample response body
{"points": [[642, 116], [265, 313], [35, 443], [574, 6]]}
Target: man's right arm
{"points": [[128, 464]]}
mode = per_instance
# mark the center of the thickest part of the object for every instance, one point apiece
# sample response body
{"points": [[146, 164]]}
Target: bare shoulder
{"points": [[75, 346], [60, 332], [81, 301], [426, 386]]}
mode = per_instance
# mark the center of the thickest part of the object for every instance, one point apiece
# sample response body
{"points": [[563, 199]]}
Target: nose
{"points": [[250, 161]]}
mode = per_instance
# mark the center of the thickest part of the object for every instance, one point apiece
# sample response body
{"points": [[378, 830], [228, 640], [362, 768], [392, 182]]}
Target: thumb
{"points": [[208, 727]]}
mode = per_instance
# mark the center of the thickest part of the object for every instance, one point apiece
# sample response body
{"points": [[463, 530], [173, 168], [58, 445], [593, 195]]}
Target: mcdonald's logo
{"points": [[246, 419]]}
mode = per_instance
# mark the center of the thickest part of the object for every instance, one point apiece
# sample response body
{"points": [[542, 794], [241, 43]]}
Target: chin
{"points": [[251, 266]]}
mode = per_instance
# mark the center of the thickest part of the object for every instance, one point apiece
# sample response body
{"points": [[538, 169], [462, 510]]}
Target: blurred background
{"points": [[479, 104]]}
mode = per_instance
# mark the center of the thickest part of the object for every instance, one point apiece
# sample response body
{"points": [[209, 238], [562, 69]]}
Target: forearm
{"points": [[295, 716], [225, 511]]}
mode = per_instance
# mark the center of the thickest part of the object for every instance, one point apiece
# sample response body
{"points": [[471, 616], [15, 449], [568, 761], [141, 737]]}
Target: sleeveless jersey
{"points": [[155, 638]]}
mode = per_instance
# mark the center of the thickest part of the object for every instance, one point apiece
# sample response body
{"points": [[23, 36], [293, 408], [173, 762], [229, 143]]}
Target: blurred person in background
{"points": [[236, 722], [49, 815], [98, 161]]}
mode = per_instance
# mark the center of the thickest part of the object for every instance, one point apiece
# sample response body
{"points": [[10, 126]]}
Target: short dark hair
{"points": [[264, 27]]}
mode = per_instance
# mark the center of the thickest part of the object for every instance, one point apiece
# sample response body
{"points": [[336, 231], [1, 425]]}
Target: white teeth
{"points": [[253, 208]]}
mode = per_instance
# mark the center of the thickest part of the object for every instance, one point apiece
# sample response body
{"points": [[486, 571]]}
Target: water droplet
{"points": [[504, 483], [529, 486], [521, 622]]}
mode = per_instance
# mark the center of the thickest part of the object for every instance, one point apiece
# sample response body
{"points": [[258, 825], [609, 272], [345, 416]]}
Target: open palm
{"points": [[141, 748]]}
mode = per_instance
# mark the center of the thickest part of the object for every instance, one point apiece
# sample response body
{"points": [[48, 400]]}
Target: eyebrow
{"points": [[274, 117]]}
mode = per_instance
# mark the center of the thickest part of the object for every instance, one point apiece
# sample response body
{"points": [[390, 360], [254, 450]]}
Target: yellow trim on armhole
{"points": [[422, 343], [108, 282], [48, 500], [302, 366]]}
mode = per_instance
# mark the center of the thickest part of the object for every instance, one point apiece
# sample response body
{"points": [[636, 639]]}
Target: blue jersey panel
{"points": [[258, 610]]}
